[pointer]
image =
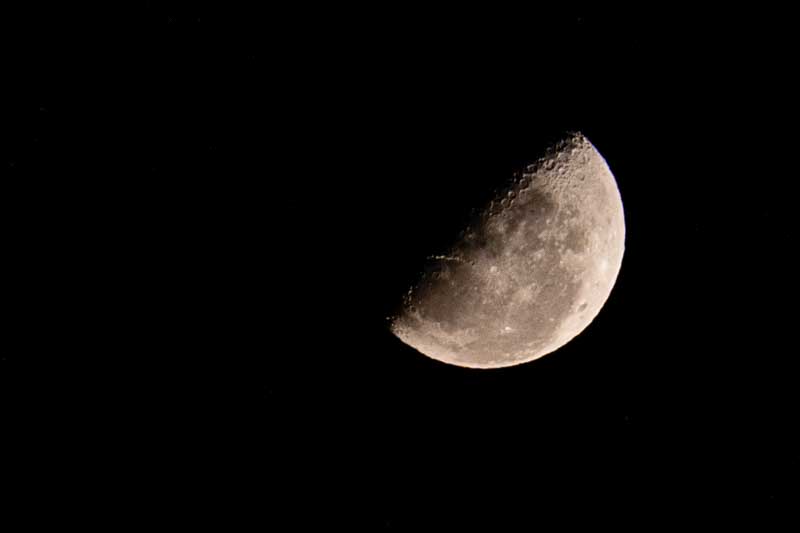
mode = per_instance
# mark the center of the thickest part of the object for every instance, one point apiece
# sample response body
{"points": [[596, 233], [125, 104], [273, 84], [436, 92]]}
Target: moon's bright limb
{"points": [[530, 274]]}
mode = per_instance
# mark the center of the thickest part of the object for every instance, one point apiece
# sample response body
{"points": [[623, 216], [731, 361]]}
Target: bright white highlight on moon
{"points": [[530, 274]]}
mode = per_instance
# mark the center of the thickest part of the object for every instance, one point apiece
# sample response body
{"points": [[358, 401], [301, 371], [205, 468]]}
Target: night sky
{"points": [[211, 212]]}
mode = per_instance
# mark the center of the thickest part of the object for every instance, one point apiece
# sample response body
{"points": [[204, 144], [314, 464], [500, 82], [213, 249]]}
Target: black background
{"points": [[210, 212]]}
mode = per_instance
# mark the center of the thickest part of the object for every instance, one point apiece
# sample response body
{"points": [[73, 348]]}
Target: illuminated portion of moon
{"points": [[530, 274]]}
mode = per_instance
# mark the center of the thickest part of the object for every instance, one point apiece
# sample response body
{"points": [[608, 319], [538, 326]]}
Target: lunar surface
{"points": [[530, 273]]}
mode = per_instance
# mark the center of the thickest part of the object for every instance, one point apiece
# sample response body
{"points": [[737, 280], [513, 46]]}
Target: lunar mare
{"points": [[530, 274]]}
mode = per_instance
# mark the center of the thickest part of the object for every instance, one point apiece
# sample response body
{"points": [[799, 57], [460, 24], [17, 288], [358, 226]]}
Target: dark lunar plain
{"points": [[210, 212]]}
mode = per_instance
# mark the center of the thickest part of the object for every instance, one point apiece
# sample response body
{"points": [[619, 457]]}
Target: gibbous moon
{"points": [[530, 274]]}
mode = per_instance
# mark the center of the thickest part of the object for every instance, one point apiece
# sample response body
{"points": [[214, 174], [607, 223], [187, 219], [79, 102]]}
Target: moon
{"points": [[531, 272]]}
